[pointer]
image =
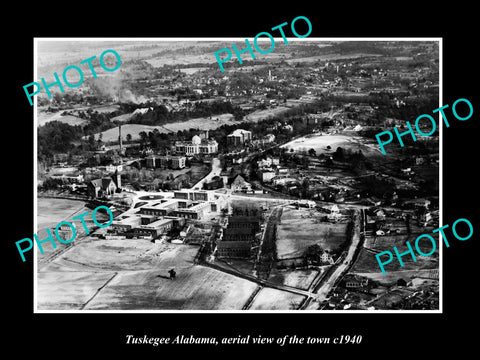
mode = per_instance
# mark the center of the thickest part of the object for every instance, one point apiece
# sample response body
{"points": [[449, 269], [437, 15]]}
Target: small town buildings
{"points": [[334, 212], [240, 184], [268, 162], [269, 138], [354, 281], [72, 179], [266, 176], [215, 183], [326, 258], [239, 137], [113, 168], [166, 161]]}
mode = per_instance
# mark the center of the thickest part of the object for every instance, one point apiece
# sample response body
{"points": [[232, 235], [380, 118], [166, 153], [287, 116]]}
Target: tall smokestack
{"points": [[120, 138]]}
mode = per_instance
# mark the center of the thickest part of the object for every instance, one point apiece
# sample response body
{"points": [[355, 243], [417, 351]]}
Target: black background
{"points": [[384, 335]]}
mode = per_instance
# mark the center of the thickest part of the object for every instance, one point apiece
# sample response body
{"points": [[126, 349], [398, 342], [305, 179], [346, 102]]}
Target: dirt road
{"points": [[328, 282]]}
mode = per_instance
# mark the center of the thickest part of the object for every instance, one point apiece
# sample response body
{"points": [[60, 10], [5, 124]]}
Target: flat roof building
{"points": [[155, 229]]}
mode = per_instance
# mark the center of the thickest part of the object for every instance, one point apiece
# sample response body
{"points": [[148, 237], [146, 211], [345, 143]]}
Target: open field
{"points": [[68, 290], [301, 228], [273, 299], [367, 262], [51, 211], [195, 288], [132, 129], [45, 117], [391, 277], [320, 143], [135, 129], [259, 115], [203, 123], [329, 57], [136, 272], [192, 70], [123, 255], [391, 298], [300, 279]]}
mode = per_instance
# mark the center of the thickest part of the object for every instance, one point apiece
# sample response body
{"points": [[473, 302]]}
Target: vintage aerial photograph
{"points": [[258, 188]]}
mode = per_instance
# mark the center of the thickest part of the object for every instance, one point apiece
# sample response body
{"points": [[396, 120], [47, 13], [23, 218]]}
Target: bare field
{"points": [[391, 277], [68, 290], [45, 117], [301, 228], [195, 288], [132, 129], [320, 143], [330, 57], [138, 271], [123, 255], [206, 123], [51, 211], [273, 299], [300, 279], [367, 262], [259, 115]]}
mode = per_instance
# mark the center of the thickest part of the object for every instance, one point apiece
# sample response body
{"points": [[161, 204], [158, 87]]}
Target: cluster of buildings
{"points": [[154, 219], [267, 168]]}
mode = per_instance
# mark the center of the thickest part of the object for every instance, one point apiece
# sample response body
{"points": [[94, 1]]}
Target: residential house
{"points": [[240, 184]]}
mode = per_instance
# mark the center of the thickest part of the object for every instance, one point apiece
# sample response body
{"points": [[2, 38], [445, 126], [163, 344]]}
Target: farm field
{"points": [[301, 228], [68, 290], [123, 255], [273, 299], [194, 288], [133, 274], [300, 279]]}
